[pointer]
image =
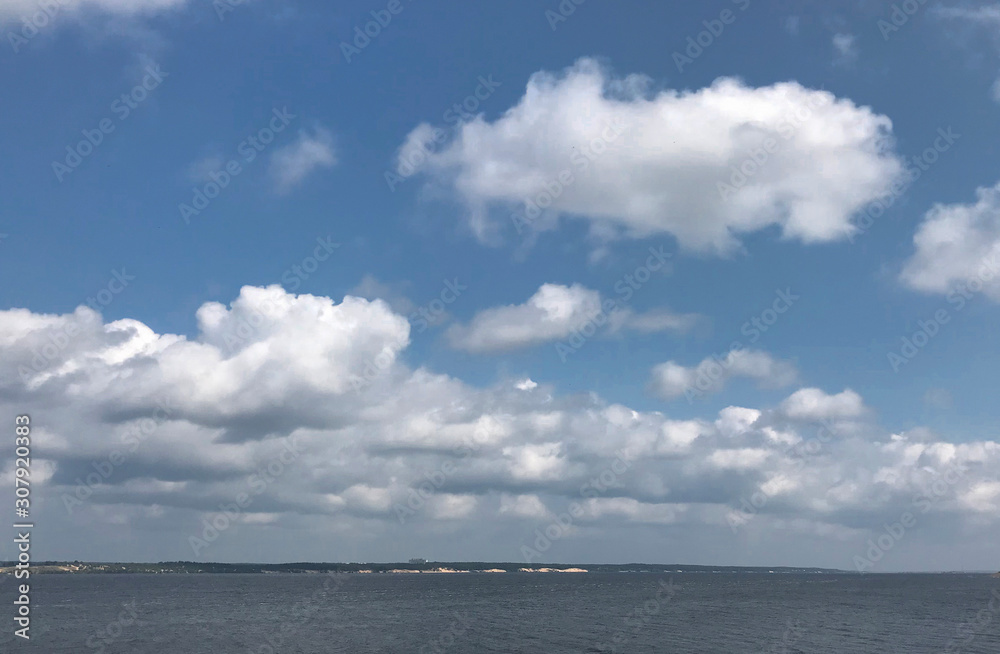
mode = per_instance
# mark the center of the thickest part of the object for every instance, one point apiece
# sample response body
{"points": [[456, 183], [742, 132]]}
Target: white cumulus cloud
{"points": [[958, 244], [815, 404], [269, 383], [631, 162]]}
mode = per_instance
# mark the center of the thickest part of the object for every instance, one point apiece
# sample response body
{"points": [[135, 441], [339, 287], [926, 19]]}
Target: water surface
{"points": [[549, 613]]}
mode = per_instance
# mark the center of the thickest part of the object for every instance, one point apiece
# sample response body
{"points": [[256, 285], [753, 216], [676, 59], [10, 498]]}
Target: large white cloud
{"points": [[958, 248], [629, 161], [252, 361], [155, 432]]}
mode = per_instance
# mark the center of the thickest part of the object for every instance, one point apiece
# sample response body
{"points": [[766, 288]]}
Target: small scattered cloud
{"points": [[371, 288], [815, 404], [14, 10], [938, 398], [555, 312], [291, 164], [201, 170], [671, 380], [846, 46], [551, 313], [131, 21], [973, 21], [657, 320], [958, 245], [983, 15]]}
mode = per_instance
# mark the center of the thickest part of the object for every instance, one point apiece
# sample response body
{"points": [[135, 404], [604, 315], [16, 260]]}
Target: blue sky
{"points": [[214, 81]]}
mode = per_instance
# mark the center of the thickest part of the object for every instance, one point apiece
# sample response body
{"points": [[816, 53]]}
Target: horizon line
{"points": [[428, 562]]}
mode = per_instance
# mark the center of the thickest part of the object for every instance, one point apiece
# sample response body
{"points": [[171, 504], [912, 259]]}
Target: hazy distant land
{"points": [[429, 567]]}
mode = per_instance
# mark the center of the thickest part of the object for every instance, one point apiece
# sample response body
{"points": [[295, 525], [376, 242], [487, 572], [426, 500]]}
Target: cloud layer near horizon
{"points": [[322, 386]]}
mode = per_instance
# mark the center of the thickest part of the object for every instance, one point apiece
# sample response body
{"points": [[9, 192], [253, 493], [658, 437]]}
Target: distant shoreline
{"points": [[430, 567]]}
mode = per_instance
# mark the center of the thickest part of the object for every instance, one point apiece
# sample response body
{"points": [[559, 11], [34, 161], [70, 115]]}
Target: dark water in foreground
{"points": [[550, 613]]}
